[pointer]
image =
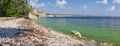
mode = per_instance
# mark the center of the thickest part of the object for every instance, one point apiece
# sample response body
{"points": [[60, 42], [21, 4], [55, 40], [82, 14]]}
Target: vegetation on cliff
{"points": [[14, 8]]}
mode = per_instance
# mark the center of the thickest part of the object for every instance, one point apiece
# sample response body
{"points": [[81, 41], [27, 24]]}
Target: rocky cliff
{"points": [[34, 13]]}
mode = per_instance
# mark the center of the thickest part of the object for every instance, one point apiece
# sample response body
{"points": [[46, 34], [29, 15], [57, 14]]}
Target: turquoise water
{"points": [[101, 30]]}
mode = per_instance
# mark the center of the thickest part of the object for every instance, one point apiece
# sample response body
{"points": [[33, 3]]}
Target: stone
{"points": [[77, 33]]}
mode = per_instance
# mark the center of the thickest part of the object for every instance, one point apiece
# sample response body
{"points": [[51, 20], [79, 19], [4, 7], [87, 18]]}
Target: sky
{"points": [[81, 7]]}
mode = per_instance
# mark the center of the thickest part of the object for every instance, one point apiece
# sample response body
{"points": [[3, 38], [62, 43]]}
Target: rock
{"points": [[77, 33]]}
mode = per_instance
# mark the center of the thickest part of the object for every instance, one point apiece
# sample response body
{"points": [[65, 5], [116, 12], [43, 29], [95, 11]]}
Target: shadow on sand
{"points": [[11, 32]]}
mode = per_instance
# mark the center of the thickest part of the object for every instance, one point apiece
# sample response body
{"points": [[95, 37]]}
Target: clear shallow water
{"points": [[101, 30]]}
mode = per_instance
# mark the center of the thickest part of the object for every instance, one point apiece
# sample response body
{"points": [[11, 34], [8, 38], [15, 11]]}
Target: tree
{"points": [[3, 1], [14, 8], [2, 4]]}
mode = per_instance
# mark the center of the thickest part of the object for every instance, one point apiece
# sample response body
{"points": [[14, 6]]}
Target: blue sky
{"points": [[84, 7]]}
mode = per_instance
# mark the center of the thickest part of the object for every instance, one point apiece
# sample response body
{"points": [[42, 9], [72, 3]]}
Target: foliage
{"points": [[13, 8], [3, 1]]}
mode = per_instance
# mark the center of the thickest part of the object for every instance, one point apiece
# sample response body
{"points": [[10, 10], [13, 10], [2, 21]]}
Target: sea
{"points": [[100, 29]]}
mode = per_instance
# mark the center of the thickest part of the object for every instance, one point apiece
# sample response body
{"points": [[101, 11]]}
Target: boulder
{"points": [[77, 33]]}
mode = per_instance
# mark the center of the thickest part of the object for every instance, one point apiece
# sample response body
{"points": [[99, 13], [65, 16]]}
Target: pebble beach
{"points": [[24, 32]]}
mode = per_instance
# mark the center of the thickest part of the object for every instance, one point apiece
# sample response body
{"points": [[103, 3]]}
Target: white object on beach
{"points": [[77, 33]]}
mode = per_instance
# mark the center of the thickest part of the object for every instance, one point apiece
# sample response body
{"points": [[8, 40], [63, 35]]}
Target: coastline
{"points": [[26, 32]]}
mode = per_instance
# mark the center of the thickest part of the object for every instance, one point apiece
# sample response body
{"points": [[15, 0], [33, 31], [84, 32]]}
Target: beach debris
{"points": [[77, 33], [93, 41]]}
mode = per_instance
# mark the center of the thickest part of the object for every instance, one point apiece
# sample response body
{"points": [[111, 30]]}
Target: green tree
{"points": [[14, 8], [3, 1]]}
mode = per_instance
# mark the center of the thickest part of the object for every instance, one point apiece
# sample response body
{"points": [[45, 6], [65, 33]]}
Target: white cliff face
{"points": [[32, 16], [34, 13], [42, 14]]}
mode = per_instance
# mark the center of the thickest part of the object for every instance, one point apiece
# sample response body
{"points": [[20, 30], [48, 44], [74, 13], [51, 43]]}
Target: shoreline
{"points": [[28, 33]]}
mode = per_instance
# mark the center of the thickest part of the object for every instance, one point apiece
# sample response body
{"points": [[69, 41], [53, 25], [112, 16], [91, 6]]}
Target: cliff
{"points": [[34, 13]]}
